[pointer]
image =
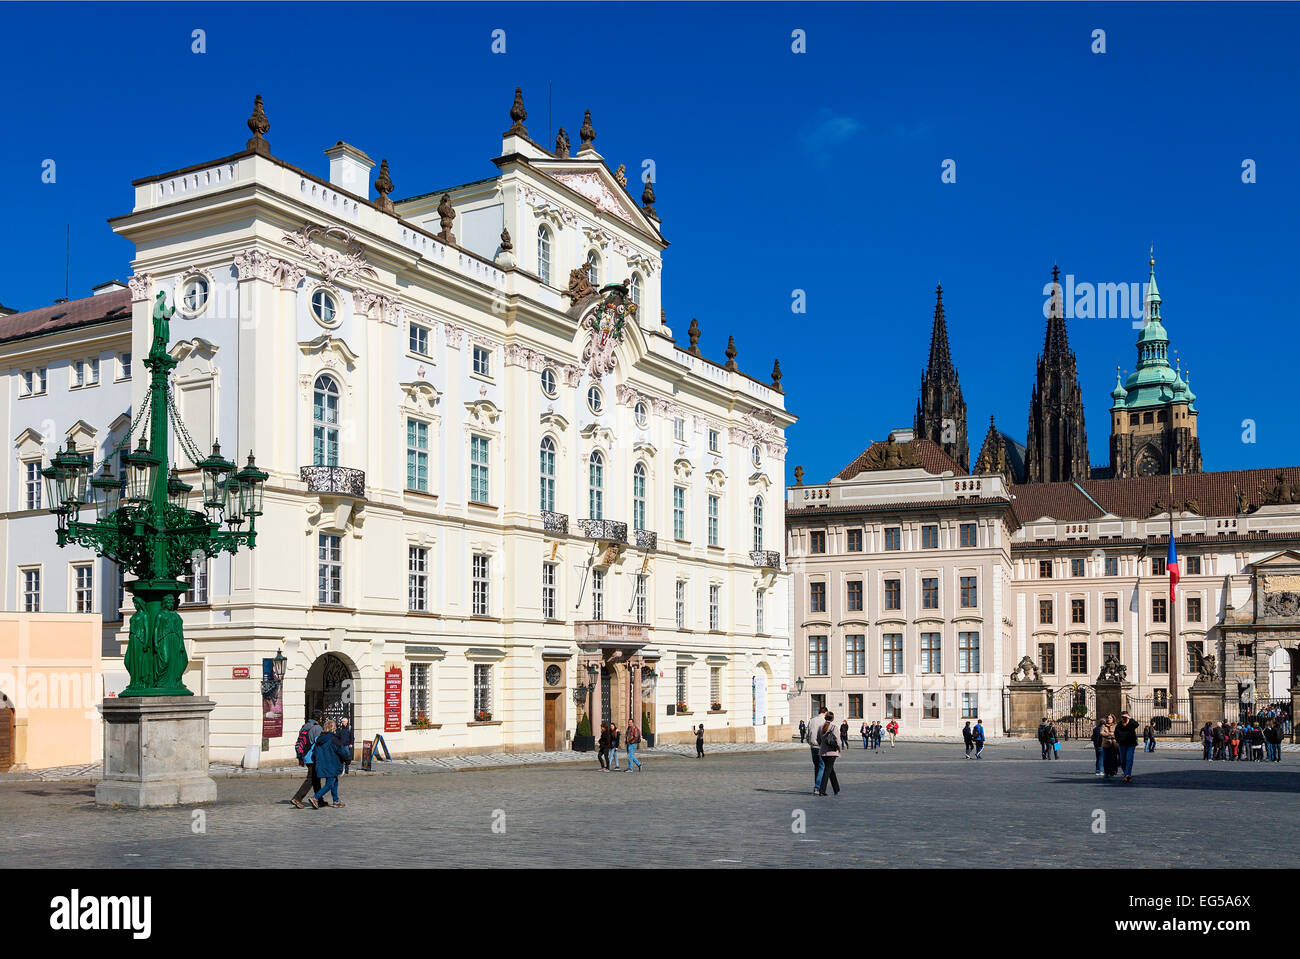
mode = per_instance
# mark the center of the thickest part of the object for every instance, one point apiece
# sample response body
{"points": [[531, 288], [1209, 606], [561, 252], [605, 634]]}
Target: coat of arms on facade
{"points": [[606, 323]]}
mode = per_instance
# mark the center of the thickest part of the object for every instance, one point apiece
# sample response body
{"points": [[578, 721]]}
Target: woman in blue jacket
{"points": [[329, 755]]}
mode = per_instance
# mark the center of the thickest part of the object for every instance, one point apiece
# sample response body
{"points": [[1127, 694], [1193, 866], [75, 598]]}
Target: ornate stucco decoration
{"points": [[600, 435], [639, 261], [331, 351], [682, 468], [554, 419], [572, 374], [605, 325], [482, 412], [420, 396], [891, 456], [257, 264], [517, 354], [546, 209], [646, 449], [331, 265], [454, 333], [596, 237], [140, 286], [366, 300], [716, 478], [590, 185]]}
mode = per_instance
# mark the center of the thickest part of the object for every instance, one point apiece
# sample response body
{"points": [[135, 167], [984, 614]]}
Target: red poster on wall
{"points": [[393, 701], [272, 702]]}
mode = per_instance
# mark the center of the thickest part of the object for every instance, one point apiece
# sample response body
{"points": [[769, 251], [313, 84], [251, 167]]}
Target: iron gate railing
{"points": [[1169, 719], [1073, 709], [1266, 709]]}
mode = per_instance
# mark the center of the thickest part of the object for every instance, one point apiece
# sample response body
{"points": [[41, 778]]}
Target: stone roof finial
{"points": [[562, 144], [260, 125], [731, 354], [446, 216], [518, 114], [384, 186], [798, 476], [694, 333], [648, 200], [776, 376], [505, 240], [620, 175], [588, 133]]}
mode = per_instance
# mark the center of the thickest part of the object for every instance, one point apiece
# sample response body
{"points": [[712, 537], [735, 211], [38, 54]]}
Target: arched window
{"points": [[758, 523], [635, 290], [544, 254], [593, 268], [548, 474], [596, 485], [325, 422], [638, 496]]}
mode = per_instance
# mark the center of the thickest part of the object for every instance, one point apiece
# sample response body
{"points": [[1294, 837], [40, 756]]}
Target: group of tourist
{"points": [[1049, 740], [608, 744], [1279, 712], [1115, 743], [821, 736], [873, 733], [325, 750], [1257, 741], [973, 737]]}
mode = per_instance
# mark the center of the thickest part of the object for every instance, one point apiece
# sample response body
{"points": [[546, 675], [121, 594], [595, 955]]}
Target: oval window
{"points": [[194, 295], [595, 401], [642, 414], [549, 383], [325, 307]]}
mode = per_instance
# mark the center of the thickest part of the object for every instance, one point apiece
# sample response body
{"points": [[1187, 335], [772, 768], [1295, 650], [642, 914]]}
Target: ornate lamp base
{"points": [[156, 751]]}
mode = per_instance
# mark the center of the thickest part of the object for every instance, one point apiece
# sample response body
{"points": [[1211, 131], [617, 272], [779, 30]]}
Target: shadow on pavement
{"points": [[1258, 781]]}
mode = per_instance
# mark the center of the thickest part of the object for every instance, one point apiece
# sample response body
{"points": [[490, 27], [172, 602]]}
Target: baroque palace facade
{"points": [[920, 585], [492, 507]]}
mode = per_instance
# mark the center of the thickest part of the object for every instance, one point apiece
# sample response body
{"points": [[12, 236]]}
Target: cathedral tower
{"points": [[1057, 443], [941, 411]]}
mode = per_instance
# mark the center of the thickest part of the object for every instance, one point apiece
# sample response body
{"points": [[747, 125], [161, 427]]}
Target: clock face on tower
{"points": [[1147, 466]]}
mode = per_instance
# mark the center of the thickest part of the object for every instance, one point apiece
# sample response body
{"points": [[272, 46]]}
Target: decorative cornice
{"points": [[453, 333], [257, 264], [366, 300], [140, 285], [331, 265]]}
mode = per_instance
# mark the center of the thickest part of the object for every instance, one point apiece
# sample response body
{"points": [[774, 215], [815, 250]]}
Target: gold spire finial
{"points": [[1153, 254]]}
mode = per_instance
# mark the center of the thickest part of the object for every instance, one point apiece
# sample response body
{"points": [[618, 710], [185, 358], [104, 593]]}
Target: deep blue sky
{"points": [[776, 171]]}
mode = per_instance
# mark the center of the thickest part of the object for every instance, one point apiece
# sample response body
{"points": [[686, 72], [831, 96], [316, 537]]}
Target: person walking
{"points": [[1126, 738], [803, 731], [1097, 744], [1207, 740], [1217, 739], [1042, 737], [307, 736], [968, 737], [1148, 738], [1053, 742], [977, 734], [634, 739], [699, 743], [1273, 740], [614, 739], [893, 732], [877, 735], [347, 739], [329, 755], [1109, 747], [830, 749], [1257, 743], [863, 732], [603, 746], [813, 729], [844, 734]]}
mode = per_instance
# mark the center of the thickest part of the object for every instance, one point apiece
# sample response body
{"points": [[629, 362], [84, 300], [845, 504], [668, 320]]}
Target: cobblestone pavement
{"points": [[919, 805]]}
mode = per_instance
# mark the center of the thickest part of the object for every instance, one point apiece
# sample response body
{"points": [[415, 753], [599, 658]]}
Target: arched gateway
{"points": [[332, 687]]}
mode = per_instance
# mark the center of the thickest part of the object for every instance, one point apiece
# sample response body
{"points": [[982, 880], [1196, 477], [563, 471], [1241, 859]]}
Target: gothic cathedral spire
{"points": [[1056, 446], [941, 411]]}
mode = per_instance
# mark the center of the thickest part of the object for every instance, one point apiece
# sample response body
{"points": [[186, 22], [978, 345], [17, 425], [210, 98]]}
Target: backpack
{"points": [[302, 748], [829, 742]]}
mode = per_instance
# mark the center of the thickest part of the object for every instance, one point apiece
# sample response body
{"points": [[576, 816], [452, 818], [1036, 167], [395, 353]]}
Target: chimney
{"points": [[350, 169], [112, 286]]}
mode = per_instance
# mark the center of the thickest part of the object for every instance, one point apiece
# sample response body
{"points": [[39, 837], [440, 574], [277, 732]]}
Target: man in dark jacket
{"points": [[803, 731], [347, 739], [1096, 744], [1126, 738], [329, 756], [1042, 737], [312, 728], [1217, 739], [1052, 751], [969, 737]]}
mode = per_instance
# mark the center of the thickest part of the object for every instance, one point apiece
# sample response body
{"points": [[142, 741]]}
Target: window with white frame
{"points": [[33, 381], [760, 611], [598, 594], [715, 685], [681, 603], [682, 701], [85, 372], [893, 538], [419, 693], [818, 655], [968, 652], [417, 455], [325, 308], [969, 534], [478, 469], [32, 484], [196, 582], [970, 705], [481, 596], [419, 339], [482, 361], [593, 268], [124, 366], [596, 485], [679, 430], [634, 290], [758, 523], [417, 579], [544, 254], [679, 512], [931, 653], [929, 705], [325, 421], [638, 496], [891, 653], [855, 654], [329, 570], [713, 520], [713, 441], [642, 613], [756, 455], [83, 588], [550, 591], [641, 413], [482, 689], [31, 579], [969, 592], [595, 399], [550, 383], [546, 470], [715, 608]]}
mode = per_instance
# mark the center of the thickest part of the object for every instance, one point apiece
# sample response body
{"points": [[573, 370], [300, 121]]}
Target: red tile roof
{"points": [[65, 316], [928, 453]]}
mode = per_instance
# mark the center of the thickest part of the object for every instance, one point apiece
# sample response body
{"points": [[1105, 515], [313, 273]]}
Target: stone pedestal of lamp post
{"points": [[156, 751]]}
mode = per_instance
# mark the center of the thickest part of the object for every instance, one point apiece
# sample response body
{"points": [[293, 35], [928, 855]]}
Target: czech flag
{"points": [[1171, 564]]}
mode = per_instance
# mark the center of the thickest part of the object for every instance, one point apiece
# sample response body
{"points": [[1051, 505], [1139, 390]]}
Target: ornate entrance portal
{"points": [[331, 688]]}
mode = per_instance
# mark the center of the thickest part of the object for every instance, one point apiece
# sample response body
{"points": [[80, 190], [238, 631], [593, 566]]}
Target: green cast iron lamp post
{"points": [[143, 522]]}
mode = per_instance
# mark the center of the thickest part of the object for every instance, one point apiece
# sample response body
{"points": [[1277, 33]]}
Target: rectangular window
{"points": [[329, 570], [419, 339], [1193, 564], [550, 591], [969, 592], [931, 653], [419, 693], [92, 372], [478, 469], [679, 512], [817, 540], [1112, 565], [83, 589], [855, 655], [969, 534], [1159, 656], [78, 375], [642, 614], [855, 541], [817, 597], [1193, 609], [818, 656], [682, 701], [481, 595], [929, 537], [32, 484], [713, 520], [1044, 569], [893, 705], [482, 361], [929, 705], [968, 652], [679, 430], [715, 685], [417, 455], [1111, 604], [597, 594], [891, 653], [197, 581], [1047, 658], [893, 537], [893, 594], [715, 608], [1045, 611], [1157, 566], [713, 441], [1077, 567], [855, 596], [124, 366], [855, 706], [970, 705], [818, 704], [930, 592], [1078, 657], [27, 383], [1109, 649], [1078, 611], [1195, 650], [760, 612], [1159, 610], [681, 604], [417, 579], [482, 689]]}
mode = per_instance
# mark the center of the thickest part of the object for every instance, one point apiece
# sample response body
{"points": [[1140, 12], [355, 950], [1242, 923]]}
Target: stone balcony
{"points": [[765, 558], [555, 522], [334, 480], [605, 634], [606, 530]]}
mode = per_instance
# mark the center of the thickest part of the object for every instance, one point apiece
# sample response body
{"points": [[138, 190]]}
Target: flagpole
{"points": [[1175, 663]]}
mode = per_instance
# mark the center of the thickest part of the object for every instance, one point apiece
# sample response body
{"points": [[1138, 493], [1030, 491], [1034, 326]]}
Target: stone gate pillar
{"points": [[1028, 694], [1206, 696], [1112, 689]]}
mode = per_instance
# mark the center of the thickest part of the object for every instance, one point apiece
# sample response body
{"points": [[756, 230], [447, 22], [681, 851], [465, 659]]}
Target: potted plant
{"points": [[583, 740], [717, 707], [483, 716], [422, 722], [681, 708]]}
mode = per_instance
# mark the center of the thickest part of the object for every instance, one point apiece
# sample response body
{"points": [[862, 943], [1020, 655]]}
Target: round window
{"points": [[548, 382], [642, 414], [194, 295], [756, 454], [595, 401], [325, 308], [553, 675]]}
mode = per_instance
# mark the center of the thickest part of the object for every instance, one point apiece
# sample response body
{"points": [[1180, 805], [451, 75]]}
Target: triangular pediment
{"points": [[29, 442], [1287, 557], [330, 346], [593, 181]]}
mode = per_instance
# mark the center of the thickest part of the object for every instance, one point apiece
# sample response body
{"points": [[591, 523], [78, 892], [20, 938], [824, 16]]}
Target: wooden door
{"points": [[6, 737], [554, 723]]}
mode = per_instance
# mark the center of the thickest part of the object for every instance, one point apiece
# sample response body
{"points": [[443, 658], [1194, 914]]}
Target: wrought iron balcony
{"points": [[604, 529], [339, 480], [647, 540], [555, 522], [765, 558]]}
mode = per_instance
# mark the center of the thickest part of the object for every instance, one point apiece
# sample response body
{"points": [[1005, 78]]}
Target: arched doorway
{"points": [[1279, 674], [332, 687], [6, 733]]}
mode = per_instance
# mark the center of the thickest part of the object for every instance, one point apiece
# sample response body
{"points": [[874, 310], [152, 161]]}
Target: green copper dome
{"points": [[1154, 382]]}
